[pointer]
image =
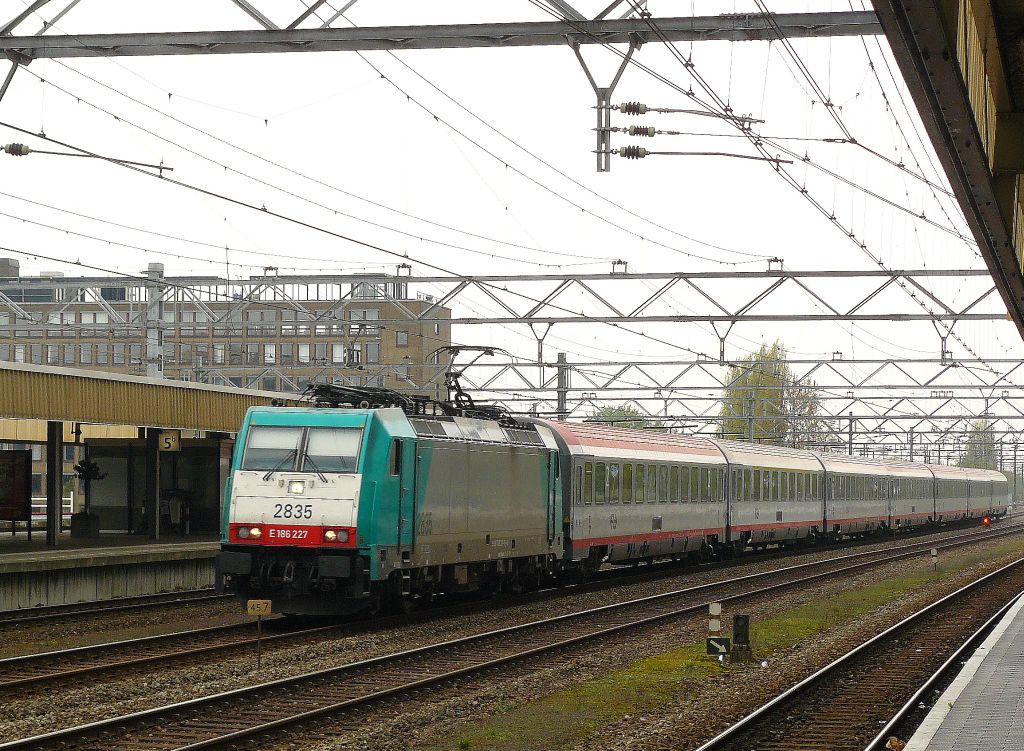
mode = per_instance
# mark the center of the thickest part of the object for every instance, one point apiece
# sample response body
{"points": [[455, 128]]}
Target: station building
{"points": [[267, 333]]}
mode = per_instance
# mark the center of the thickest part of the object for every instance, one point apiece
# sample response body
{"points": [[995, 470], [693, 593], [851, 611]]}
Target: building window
{"points": [[269, 354], [37, 354], [304, 353], [337, 353], [53, 354], [69, 354], [402, 371], [401, 338], [372, 352], [218, 354], [118, 354], [270, 383], [86, 354], [102, 354], [321, 352], [19, 353]]}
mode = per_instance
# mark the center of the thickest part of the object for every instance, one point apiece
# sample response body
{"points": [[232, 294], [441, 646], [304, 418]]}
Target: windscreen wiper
{"points": [[287, 458], [307, 458]]}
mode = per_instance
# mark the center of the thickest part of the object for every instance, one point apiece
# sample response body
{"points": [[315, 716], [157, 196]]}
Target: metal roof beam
{"points": [[739, 27]]}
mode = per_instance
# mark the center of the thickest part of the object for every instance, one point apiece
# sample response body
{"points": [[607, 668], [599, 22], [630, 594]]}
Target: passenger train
{"points": [[332, 510]]}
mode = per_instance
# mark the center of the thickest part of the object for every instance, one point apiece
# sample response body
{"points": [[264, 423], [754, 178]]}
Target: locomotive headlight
{"points": [[330, 535], [255, 532], [297, 487], [243, 533]]}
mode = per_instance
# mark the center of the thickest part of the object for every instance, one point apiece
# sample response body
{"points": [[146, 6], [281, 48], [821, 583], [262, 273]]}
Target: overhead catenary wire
{"points": [[331, 233], [723, 106], [558, 194], [313, 202]]}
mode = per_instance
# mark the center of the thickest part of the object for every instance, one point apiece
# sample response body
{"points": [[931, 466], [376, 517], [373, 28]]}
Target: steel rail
{"points": [[503, 639], [950, 668], [55, 612], [765, 711], [44, 667]]}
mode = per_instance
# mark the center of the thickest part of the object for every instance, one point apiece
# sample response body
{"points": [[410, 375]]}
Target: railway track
{"points": [[842, 706], [245, 714], [57, 612], [37, 669]]}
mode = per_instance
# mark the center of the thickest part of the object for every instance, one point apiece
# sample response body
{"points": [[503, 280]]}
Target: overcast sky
{"points": [[310, 135]]}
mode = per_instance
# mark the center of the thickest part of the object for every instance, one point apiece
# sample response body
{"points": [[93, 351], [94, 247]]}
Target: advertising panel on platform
{"points": [[15, 485]]}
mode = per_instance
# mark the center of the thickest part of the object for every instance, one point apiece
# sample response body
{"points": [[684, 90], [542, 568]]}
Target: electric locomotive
{"points": [[386, 503]]}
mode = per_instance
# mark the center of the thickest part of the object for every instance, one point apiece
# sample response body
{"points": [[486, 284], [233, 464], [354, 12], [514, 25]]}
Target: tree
{"points": [[785, 410], [623, 416], [980, 449]]}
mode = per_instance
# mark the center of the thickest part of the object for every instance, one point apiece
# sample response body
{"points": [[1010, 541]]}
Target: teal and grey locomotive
{"points": [[389, 501], [337, 510]]}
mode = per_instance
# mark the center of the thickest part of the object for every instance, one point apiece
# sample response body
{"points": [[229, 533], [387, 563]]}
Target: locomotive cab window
{"points": [[271, 447], [396, 457], [331, 450]]}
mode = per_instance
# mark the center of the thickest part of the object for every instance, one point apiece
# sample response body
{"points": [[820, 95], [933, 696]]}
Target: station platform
{"points": [[984, 706], [112, 566]]}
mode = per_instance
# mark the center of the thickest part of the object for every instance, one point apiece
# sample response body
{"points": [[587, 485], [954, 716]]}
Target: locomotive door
{"points": [[407, 461], [552, 476]]}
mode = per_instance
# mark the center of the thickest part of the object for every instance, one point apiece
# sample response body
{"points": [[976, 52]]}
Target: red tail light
{"points": [[986, 520]]}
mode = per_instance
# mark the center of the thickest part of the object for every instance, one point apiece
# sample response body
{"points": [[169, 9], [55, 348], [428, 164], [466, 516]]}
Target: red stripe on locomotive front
{"points": [[301, 536]]}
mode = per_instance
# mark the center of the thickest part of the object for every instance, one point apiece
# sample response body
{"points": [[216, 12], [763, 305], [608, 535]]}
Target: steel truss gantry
{"points": [[540, 301], [895, 407], [272, 38]]}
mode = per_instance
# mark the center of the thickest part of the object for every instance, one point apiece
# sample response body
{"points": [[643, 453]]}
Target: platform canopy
{"points": [[37, 392]]}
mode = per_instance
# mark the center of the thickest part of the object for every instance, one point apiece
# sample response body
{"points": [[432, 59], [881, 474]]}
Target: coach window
{"points": [[588, 483], [713, 483], [578, 495], [613, 483], [674, 493], [627, 483], [600, 482], [697, 488], [652, 483], [641, 496], [663, 483], [756, 490]]}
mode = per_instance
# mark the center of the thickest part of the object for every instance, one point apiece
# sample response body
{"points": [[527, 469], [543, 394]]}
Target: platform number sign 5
{"points": [[170, 440]]}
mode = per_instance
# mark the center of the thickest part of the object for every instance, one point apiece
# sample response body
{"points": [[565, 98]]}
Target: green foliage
{"points": [[785, 410], [980, 450], [623, 416]]}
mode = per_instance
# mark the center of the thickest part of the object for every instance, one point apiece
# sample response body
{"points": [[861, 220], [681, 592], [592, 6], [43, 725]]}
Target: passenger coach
{"points": [[335, 510]]}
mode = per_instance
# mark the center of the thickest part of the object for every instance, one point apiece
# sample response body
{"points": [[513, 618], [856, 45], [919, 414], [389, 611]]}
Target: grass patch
{"points": [[566, 716]]}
